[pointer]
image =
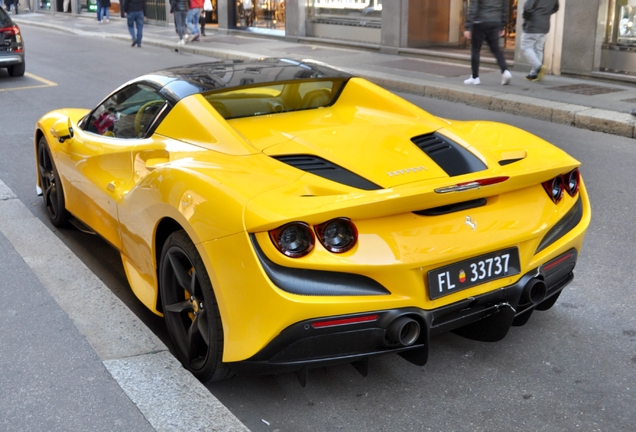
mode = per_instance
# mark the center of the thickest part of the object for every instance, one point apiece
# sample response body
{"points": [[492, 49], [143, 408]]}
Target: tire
{"points": [[17, 70], [51, 185], [190, 309]]}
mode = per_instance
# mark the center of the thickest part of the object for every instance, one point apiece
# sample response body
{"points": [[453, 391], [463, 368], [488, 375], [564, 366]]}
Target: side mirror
{"points": [[62, 129]]}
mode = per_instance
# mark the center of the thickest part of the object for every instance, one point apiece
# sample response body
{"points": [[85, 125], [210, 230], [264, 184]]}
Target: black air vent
{"points": [[325, 169], [452, 208], [450, 156]]}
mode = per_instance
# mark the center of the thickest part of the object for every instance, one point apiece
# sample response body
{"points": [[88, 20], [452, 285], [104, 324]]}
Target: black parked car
{"points": [[11, 46]]}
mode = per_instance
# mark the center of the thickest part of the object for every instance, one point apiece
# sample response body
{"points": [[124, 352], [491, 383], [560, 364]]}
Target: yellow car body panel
{"points": [[219, 180]]}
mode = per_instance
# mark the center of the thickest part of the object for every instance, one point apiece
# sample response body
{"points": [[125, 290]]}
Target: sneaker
{"points": [[473, 81], [195, 37], [541, 73], [107, 20], [532, 77], [181, 42], [186, 37], [506, 76]]}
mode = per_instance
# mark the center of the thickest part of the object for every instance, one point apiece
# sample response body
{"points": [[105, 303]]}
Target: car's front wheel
{"points": [[51, 185], [190, 309]]}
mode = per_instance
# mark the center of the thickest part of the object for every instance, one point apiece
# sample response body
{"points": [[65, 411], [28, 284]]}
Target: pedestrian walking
{"points": [[136, 15], [248, 13], [103, 15], [15, 5], [192, 18], [205, 14], [536, 25], [486, 21], [179, 8]]}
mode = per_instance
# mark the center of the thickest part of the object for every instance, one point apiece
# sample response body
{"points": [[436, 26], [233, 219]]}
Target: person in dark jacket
{"points": [[180, 9], [536, 24], [486, 21], [136, 15]]}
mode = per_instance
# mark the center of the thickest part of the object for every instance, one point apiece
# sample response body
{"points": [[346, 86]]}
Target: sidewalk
{"points": [[585, 103]]}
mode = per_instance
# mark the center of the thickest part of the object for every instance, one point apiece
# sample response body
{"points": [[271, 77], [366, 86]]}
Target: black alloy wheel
{"points": [[51, 186], [190, 309]]}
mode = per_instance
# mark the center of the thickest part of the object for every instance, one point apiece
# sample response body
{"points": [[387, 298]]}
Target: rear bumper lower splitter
{"points": [[487, 317]]}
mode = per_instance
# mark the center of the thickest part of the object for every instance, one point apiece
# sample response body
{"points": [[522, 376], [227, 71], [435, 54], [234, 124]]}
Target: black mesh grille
{"points": [[450, 156], [325, 169]]}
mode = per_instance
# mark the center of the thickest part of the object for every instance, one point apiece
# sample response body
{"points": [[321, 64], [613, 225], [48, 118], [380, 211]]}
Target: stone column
{"points": [[394, 25], [295, 20]]}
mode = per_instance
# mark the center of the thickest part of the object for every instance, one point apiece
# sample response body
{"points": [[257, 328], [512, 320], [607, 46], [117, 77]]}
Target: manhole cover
{"points": [[432, 68], [586, 89]]}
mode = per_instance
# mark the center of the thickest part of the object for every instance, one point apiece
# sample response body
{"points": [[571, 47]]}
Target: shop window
{"points": [[621, 28], [261, 13], [347, 12], [358, 20]]}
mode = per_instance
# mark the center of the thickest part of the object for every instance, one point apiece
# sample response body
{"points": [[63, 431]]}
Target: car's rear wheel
{"points": [[51, 185], [17, 70], [190, 309]]}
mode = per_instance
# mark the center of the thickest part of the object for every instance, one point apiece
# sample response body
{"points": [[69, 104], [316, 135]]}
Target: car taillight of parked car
{"points": [[11, 33]]}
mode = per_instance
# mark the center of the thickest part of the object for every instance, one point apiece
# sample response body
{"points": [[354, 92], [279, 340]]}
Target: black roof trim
{"points": [[183, 81]]}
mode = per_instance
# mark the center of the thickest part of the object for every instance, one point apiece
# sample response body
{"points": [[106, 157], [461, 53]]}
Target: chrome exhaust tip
{"points": [[403, 330]]}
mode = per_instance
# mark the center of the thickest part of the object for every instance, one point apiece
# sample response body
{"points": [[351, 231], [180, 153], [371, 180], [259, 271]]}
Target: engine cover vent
{"points": [[450, 156], [328, 170]]}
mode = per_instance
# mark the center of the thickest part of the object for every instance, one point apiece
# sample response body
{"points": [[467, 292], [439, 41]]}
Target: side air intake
{"points": [[450, 156], [328, 170]]}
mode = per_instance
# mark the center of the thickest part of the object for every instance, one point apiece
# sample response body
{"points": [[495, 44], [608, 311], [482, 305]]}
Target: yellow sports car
{"points": [[283, 215]]}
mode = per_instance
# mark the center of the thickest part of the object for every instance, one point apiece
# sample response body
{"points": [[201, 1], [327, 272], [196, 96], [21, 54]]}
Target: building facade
{"points": [[587, 37]]}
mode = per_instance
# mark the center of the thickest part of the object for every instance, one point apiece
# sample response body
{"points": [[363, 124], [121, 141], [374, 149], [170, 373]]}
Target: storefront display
{"points": [[268, 14], [357, 20], [619, 48]]}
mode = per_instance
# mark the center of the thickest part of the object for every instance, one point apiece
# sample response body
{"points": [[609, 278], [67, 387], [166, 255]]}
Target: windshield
{"points": [[275, 97]]}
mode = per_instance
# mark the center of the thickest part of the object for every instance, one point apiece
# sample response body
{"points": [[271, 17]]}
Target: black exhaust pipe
{"points": [[534, 291], [404, 331]]}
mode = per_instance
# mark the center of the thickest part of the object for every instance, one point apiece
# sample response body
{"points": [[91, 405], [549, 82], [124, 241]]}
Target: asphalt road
{"points": [[570, 368]]}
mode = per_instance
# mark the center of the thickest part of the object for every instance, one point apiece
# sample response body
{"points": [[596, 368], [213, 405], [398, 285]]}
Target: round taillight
{"points": [[573, 181], [294, 239], [337, 235], [554, 188]]}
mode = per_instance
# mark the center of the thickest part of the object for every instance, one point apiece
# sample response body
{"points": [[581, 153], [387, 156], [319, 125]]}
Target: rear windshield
{"points": [[273, 98]]}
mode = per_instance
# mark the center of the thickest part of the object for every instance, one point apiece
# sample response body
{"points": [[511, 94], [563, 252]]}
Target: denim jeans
{"points": [[103, 13], [192, 20], [136, 19], [488, 32], [180, 22]]}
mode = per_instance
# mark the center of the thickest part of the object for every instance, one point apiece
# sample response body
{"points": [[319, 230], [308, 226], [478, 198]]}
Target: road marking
{"points": [[44, 81]]}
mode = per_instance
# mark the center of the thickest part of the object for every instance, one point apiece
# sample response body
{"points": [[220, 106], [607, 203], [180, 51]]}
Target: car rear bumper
{"points": [[354, 338], [10, 59]]}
